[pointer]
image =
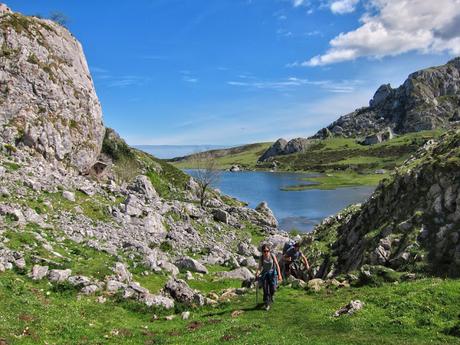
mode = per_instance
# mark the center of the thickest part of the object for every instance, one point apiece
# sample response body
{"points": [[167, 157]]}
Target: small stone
{"points": [[316, 284], [39, 272], [101, 300], [20, 263], [350, 308], [89, 290], [236, 313], [185, 315], [170, 317], [68, 195], [59, 276]]}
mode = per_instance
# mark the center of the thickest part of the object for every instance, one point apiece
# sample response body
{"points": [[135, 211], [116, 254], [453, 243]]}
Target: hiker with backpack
{"points": [[268, 275], [292, 260]]}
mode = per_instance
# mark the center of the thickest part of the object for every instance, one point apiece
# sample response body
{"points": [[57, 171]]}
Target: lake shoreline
{"points": [[295, 210]]}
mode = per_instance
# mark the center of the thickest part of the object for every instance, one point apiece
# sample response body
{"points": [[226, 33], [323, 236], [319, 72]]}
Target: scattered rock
{"points": [[221, 216], [241, 273], [186, 263], [316, 284], [142, 185], [68, 195], [121, 273], [39, 272], [185, 315], [89, 289], [236, 313], [59, 276], [181, 292], [350, 308], [79, 281], [157, 300]]}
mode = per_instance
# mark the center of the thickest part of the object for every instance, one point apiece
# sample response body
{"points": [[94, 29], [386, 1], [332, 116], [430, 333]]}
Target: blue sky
{"points": [[238, 71]]}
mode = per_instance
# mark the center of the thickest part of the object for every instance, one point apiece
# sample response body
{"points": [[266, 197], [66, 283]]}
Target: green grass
{"points": [[334, 180], [421, 312], [245, 156]]}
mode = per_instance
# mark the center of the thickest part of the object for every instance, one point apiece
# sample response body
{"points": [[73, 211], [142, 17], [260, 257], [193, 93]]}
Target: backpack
{"points": [[288, 245]]}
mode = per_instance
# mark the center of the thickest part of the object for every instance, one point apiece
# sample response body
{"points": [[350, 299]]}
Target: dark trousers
{"points": [[269, 286]]}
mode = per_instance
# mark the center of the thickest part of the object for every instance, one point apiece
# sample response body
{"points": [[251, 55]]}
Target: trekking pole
{"points": [[257, 291]]}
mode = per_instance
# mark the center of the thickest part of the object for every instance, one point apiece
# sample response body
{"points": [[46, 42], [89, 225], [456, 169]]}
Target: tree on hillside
{"points": [[206, 174], [59, 18]]}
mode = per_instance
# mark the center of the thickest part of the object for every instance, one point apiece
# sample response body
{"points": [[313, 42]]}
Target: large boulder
{"points": [[47, 93], [267, 217], [189, 264], [142, 185], [39, 272], [181, 292], [122, 273], [275, 150], [241, 273], [59, 276]]}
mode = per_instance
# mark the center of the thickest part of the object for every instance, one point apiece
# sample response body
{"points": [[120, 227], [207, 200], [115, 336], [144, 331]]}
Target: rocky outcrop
{"points": [[182, 293], [379, 137], [411, 222], [428, 99], [268, 218], [47, 96], [283, 147]]}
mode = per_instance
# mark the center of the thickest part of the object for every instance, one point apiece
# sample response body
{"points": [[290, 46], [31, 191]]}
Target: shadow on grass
{"points": [[247, 309]]}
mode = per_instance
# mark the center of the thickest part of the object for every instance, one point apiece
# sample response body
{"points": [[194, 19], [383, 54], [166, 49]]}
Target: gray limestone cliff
{"points": [[428, 99], [47, 97]]}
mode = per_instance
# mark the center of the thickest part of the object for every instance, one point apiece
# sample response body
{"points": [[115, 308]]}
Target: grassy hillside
{"points": [[245, 156], [421, 312]]}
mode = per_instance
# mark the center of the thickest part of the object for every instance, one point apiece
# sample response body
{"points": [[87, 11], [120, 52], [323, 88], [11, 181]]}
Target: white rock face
{"points": [[46, 92]]}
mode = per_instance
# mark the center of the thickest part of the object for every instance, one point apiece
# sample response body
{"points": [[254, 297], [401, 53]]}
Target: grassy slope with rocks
{"points": [[421, 312], [116, 229]]}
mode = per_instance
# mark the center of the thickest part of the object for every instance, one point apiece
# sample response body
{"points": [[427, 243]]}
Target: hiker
{"points": [[292, 259], [268, 275]]}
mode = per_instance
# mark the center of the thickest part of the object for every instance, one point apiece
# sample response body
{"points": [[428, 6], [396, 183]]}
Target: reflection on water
{"points": [[299, 210]]}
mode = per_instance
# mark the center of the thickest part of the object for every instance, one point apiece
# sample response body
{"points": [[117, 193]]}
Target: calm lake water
{"points": [[299, 210]]}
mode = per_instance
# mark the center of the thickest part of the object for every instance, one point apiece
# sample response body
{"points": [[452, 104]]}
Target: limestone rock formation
{"points": [[428, 99], [47, 96], [283, 147]]}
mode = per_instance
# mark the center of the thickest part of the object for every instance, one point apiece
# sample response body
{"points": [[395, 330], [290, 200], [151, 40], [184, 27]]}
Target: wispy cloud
{"points": [[264, 124], [112, 80], [188, 77], [343, 86]]}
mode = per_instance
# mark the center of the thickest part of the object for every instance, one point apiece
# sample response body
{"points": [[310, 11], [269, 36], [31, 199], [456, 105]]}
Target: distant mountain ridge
{"points": [[428, 99], [172, 151]]}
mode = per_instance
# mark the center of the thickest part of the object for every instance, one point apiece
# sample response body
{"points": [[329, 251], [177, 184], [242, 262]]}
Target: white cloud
{"points": [[343, 86], [189, 79], [343, 6], [297, 3], [393, 27]]}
